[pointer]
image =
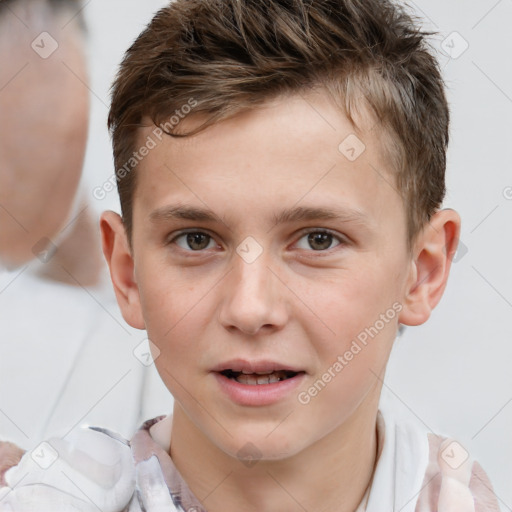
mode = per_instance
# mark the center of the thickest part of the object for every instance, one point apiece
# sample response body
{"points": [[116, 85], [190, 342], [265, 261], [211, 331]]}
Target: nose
{"points": [[254, 299]]}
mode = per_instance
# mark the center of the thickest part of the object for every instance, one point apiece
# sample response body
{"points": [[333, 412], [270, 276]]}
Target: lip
{"points": [[261, 366], [259, 394]]}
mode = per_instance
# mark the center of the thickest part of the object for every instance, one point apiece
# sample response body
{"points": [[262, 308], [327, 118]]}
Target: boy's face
{"points": [[245, 292]]}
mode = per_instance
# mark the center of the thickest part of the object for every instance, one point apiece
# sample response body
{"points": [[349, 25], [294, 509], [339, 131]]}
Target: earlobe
{"points": [[434, 250], [120, 261]]}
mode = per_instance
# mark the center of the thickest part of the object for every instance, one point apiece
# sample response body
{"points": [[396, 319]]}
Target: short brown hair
{"points": [[231, 55]]}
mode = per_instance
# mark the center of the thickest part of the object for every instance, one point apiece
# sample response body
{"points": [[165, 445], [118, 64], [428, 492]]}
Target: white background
{"points": [[453, 373]]}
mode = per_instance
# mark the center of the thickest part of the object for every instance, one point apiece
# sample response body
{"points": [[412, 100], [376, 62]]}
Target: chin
{"points": [[253, 446]]}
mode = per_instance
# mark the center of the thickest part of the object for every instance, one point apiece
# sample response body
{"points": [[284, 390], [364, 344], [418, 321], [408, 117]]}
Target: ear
{"points": [[120, 261], [433, 252]]}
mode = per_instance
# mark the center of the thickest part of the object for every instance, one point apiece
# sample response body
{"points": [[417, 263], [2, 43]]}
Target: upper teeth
{"points": [[253, 379], [245, 372]]}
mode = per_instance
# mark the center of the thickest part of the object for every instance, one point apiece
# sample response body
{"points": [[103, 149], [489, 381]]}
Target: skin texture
{"points": [[43, 134], [293, 304]]}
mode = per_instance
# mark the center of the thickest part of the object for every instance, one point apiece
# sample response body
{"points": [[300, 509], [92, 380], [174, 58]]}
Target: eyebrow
{"points": [[182, 212], [294, 214], [308, 213]]}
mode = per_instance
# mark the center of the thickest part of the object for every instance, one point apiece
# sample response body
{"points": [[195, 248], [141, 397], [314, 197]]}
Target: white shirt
{"points": [[101, 470]]}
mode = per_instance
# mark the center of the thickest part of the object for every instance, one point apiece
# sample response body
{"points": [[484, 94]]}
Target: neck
{"points": [[77, 260], [332, 474]]}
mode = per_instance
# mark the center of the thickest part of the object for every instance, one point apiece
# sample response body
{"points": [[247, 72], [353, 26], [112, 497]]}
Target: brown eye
{"points": [[193, 241], [198, 241], [320, 241]]}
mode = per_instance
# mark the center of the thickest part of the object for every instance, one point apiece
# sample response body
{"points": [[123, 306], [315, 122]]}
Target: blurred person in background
{"points": [[55, 295], [45, 112]]}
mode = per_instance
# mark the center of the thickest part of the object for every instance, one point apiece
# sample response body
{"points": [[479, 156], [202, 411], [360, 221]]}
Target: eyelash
{"points": [[336, 237]]}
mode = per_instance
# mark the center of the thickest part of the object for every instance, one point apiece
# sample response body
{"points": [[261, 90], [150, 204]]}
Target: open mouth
{"points": [[254, 379]]}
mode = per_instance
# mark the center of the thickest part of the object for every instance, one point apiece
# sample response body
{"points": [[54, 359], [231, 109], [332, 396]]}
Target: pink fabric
{"points": [[476, 485], [10, 455]]}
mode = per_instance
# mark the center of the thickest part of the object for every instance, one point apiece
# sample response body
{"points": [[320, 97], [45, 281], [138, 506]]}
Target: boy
{"points": [[281, 168]]}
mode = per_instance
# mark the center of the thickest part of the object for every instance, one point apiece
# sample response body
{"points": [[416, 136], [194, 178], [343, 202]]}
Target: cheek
{"points": [[176, 313], [170, 300], [351, 369], [354, 301], [361, 310], [173, 325]]}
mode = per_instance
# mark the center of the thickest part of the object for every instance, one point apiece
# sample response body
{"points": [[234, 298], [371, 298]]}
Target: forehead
{"points": [[298, 149]]}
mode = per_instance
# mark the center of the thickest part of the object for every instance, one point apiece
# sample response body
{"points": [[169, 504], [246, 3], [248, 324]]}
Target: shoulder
{"points": [[454, 480], [420, 471]]}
